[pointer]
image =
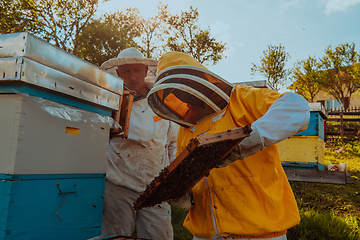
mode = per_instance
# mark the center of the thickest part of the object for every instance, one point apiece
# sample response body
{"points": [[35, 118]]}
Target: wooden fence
{"points": [[344, 125]]}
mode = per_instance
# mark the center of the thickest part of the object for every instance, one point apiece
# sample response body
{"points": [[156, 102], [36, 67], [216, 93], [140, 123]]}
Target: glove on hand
{"points": [[249, 146], [184, 202]]}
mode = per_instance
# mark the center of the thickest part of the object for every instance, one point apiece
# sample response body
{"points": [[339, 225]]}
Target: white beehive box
{"points": [[43, 137]]}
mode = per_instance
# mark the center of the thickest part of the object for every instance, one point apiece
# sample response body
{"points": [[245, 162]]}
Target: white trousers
{"points": [[119, 217], [283, 237]]}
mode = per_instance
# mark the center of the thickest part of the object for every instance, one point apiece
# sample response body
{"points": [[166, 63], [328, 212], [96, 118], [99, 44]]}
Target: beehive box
{"points": [[51, 206], [44, 137], [316, 126], [302, 152], [42, 144], [55, 123]]}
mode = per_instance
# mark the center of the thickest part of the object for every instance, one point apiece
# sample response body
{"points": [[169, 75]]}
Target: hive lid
{"points": [[20, 71], [26, 45], [257, 84], [196, 161], [319, 107]]}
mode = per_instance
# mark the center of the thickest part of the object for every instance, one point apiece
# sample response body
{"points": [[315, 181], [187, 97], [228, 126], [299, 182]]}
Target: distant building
{"points": [[331, 103]]}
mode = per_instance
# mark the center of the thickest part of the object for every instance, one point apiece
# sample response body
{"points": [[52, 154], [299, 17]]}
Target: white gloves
{"points": [[249, 146], [184, 202]]}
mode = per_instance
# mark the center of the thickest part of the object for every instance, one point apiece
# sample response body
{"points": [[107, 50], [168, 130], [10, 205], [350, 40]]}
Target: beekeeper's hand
{"points": [[184, 202], [247, 147]]}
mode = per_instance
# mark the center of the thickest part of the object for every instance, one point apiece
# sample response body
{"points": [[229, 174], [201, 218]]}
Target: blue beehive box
{"points": [[54, 206], [55, 122], [316, 127]]}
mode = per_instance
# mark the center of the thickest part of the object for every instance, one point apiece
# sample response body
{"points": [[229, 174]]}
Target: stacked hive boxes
{"points": [[306, 149], [55, 117]]}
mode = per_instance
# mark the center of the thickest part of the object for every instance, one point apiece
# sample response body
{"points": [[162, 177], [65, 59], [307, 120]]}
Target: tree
{"points": [[17, 16], [63, 20], [305, 76], [154, 31], [273, 66], [187, 37], [56, 21], [71, 26], [105, 37], [341, 72]]}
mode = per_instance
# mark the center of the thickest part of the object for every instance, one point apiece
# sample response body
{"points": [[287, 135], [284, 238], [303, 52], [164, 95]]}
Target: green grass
{"points": [[350, 154], [177, 218], [328, 211], [325, 226], [340, 199]]}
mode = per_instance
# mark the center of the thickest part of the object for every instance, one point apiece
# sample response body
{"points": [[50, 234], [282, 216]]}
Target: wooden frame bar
{"points": [[122, 116], [196, 161]]}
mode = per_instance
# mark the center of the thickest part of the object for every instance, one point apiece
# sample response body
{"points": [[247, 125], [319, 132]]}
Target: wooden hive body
{"points": [[302, 152]]}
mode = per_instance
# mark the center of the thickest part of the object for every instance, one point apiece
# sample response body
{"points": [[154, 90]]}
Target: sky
{"points": [[304, 27]]}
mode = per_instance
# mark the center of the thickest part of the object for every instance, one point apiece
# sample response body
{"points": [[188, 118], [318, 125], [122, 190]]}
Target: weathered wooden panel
{"points": [[318, 176]]}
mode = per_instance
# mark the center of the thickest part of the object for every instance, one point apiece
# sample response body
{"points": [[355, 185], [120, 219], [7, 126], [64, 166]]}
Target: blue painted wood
{"points": [[21, 177], [44, 207], [302, 165], [315, 127], [38, 92]]}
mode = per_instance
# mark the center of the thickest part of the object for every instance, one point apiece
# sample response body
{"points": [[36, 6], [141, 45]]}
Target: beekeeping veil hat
{"points": [[185, 91], [131, 56]]}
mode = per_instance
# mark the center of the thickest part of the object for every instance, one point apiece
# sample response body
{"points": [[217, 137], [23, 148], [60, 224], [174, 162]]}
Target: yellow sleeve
{"points": [[247, 104]]}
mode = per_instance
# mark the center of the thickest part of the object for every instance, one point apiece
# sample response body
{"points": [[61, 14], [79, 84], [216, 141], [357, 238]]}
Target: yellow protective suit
{"points": [[250, 198]]}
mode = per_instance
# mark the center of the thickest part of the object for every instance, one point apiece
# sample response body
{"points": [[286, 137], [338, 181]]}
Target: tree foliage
{"points": [[63, 20], [187, 37], [306, 76], [105, 37], [154, 32], [17, 16], [56, 21], [272, 66], [341, 72], [71, 25]]}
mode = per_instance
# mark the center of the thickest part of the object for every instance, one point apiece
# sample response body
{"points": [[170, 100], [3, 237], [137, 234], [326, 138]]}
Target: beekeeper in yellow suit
{"points": [[248, 196]]}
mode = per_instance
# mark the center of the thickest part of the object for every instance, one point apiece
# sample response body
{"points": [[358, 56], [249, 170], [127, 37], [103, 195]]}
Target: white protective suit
{"points": [[132, 164]]}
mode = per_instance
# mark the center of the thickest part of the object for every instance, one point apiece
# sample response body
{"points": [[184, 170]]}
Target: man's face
{"points": [[134, 77]]}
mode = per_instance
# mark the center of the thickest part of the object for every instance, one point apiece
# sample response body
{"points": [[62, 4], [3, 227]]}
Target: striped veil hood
{"points": [[186, 92]]}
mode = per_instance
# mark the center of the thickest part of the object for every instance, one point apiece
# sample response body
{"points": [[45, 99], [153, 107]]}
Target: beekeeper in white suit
{"points": [[134, 162]]}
